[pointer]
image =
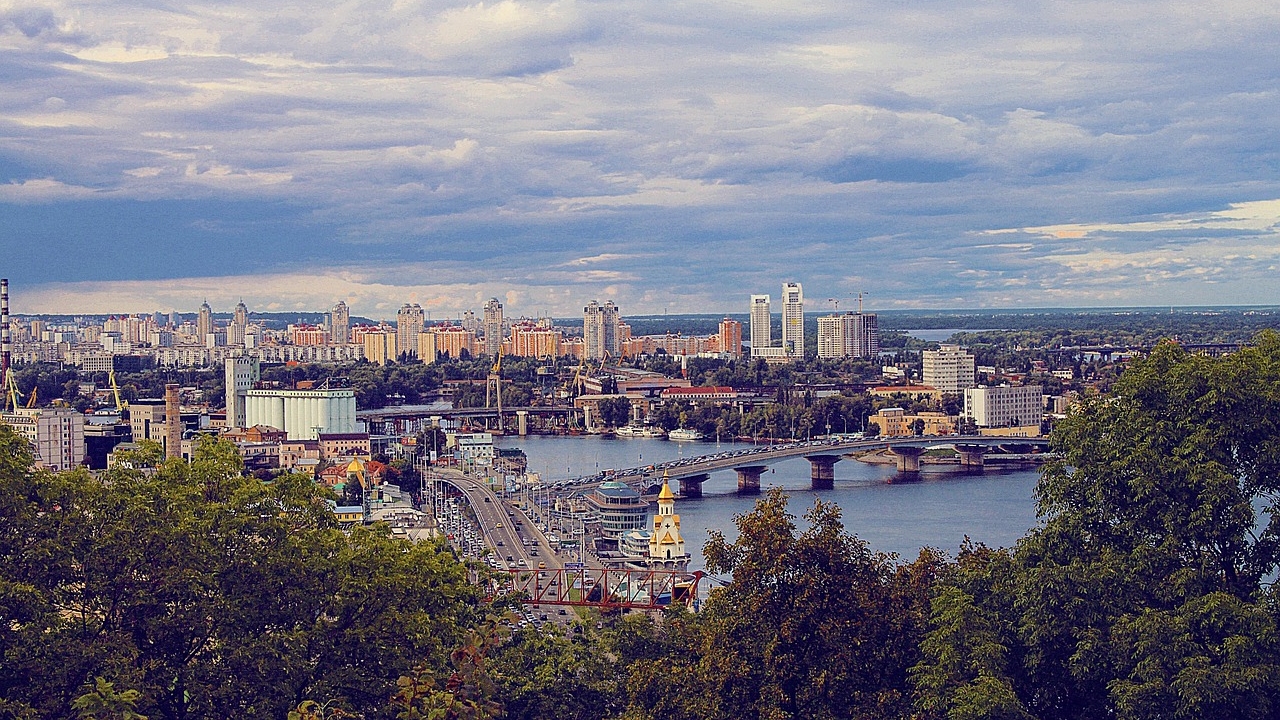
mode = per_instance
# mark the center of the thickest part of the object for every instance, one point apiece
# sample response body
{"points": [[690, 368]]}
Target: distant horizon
{"points": [[1046, 310]]}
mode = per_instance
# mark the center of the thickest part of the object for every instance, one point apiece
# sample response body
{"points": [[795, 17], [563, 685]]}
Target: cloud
{"points": [[43, 190], [661, 152]]}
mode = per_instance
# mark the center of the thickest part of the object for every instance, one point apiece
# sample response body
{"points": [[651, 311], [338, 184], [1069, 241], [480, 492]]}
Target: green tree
{"points": [[210, 593], [813, 625], [1142, 594]]}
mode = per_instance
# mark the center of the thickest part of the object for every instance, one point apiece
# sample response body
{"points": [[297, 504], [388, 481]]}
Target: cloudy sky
{"points": [[669, 156]]}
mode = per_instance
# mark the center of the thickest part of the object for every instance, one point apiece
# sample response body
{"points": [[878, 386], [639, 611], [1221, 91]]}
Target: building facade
{"points": [[409, 322], [619, 509], [340, 324], [492, 327], [303, 414], [380, 347], [600, 330], [854, 335], [731, 337], [793, 319], [241, 372], [761, 319], [950, 369], [56, 435], [1005, 406]]}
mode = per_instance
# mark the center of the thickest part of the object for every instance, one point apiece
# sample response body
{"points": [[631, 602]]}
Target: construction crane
{"points": [[835, 303], [13, 398], [493, 387], [121, 406]]}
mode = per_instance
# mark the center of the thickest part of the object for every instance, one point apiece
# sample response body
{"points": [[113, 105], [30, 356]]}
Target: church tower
{"points": [[666, 546]]}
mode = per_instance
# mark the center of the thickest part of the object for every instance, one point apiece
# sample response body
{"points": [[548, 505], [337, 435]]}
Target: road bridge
{"points": [[403, 419], [822, 455]]}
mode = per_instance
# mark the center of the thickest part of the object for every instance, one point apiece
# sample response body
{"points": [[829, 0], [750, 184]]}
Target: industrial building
{"points": [[303, 414]]}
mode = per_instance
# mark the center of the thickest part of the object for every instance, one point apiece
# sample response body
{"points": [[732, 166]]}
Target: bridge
{"points": [[750, 464], [401, 419]]}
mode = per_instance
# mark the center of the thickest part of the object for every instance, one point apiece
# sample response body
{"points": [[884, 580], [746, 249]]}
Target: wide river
{"points": [[945, 505]]}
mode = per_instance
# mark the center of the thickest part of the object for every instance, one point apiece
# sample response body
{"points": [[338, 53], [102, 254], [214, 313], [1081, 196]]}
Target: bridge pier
{"points": [[908, 459], [749, 479], [822, 474], [971, 456], [691, 487], [522, 422]]}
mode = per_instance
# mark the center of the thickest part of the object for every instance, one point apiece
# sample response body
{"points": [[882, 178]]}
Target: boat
{"points": [[641, 431], [684, 434]]}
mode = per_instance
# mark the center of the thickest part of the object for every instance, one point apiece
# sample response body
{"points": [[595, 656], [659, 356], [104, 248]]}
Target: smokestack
{"points": [[6, 343], [172, 422]]}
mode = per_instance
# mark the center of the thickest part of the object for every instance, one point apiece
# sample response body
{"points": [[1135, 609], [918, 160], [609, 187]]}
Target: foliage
{"points": [[813, 625], [1142, 595], [209, 593]]}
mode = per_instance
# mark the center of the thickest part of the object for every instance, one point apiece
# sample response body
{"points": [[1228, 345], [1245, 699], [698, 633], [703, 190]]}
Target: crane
{"points": [[13, 397], [31, 401], [493, 387], [121, 406]]}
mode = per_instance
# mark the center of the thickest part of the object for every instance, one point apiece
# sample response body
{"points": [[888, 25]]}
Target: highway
{"points": [[503, 530]]}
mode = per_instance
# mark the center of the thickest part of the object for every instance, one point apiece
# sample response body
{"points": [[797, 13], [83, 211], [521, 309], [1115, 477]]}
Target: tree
{"points": [[210, 593], [1142, 594], [873, 429], [813, 625]]}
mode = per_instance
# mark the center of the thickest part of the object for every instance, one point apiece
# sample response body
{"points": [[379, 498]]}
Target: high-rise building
{"points": [[204, 323], [409, 322], [1004, 406], [849, 335], [427, 346], [239, 323], [469, 322], [380, 346], [528, 339], [492, 327], [949, 369], [761, 323], [340, 324], [831, 333], [793, 319], [600, 330], [731, 337], [56, 435], [242, 372]]}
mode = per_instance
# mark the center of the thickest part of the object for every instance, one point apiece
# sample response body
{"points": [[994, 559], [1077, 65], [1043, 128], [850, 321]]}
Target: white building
{"points": [[1004, 406], [600, 330], [492, 327], [761, 324], [56, 435], [849, 335], [950, 369], [793, 319], [302, 414], [241, 373], [475, 448]]}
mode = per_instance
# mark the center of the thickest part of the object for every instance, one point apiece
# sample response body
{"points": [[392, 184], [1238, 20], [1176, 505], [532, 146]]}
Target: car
{"points": [[542, 565], [563, 611], [486, 499], [501, 544]]}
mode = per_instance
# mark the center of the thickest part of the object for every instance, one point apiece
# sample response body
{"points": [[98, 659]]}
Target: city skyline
{"points": [[660, 157]]}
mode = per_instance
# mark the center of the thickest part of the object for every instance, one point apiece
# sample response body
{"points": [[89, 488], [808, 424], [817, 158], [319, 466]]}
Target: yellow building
{"points": [[380, 346], [666, 546]]}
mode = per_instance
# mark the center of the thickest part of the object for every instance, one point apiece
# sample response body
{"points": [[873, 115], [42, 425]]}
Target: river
{"points": [[945, 505]]}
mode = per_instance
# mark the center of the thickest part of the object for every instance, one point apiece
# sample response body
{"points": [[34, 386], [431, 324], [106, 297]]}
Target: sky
{"points": [[671, 157]]}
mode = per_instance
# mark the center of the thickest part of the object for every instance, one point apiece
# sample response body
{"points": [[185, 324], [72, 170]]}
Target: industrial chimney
{"points": [[172, 422]]}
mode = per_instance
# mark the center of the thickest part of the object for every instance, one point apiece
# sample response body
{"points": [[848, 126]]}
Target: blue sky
{"points": [[667, 156]]}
